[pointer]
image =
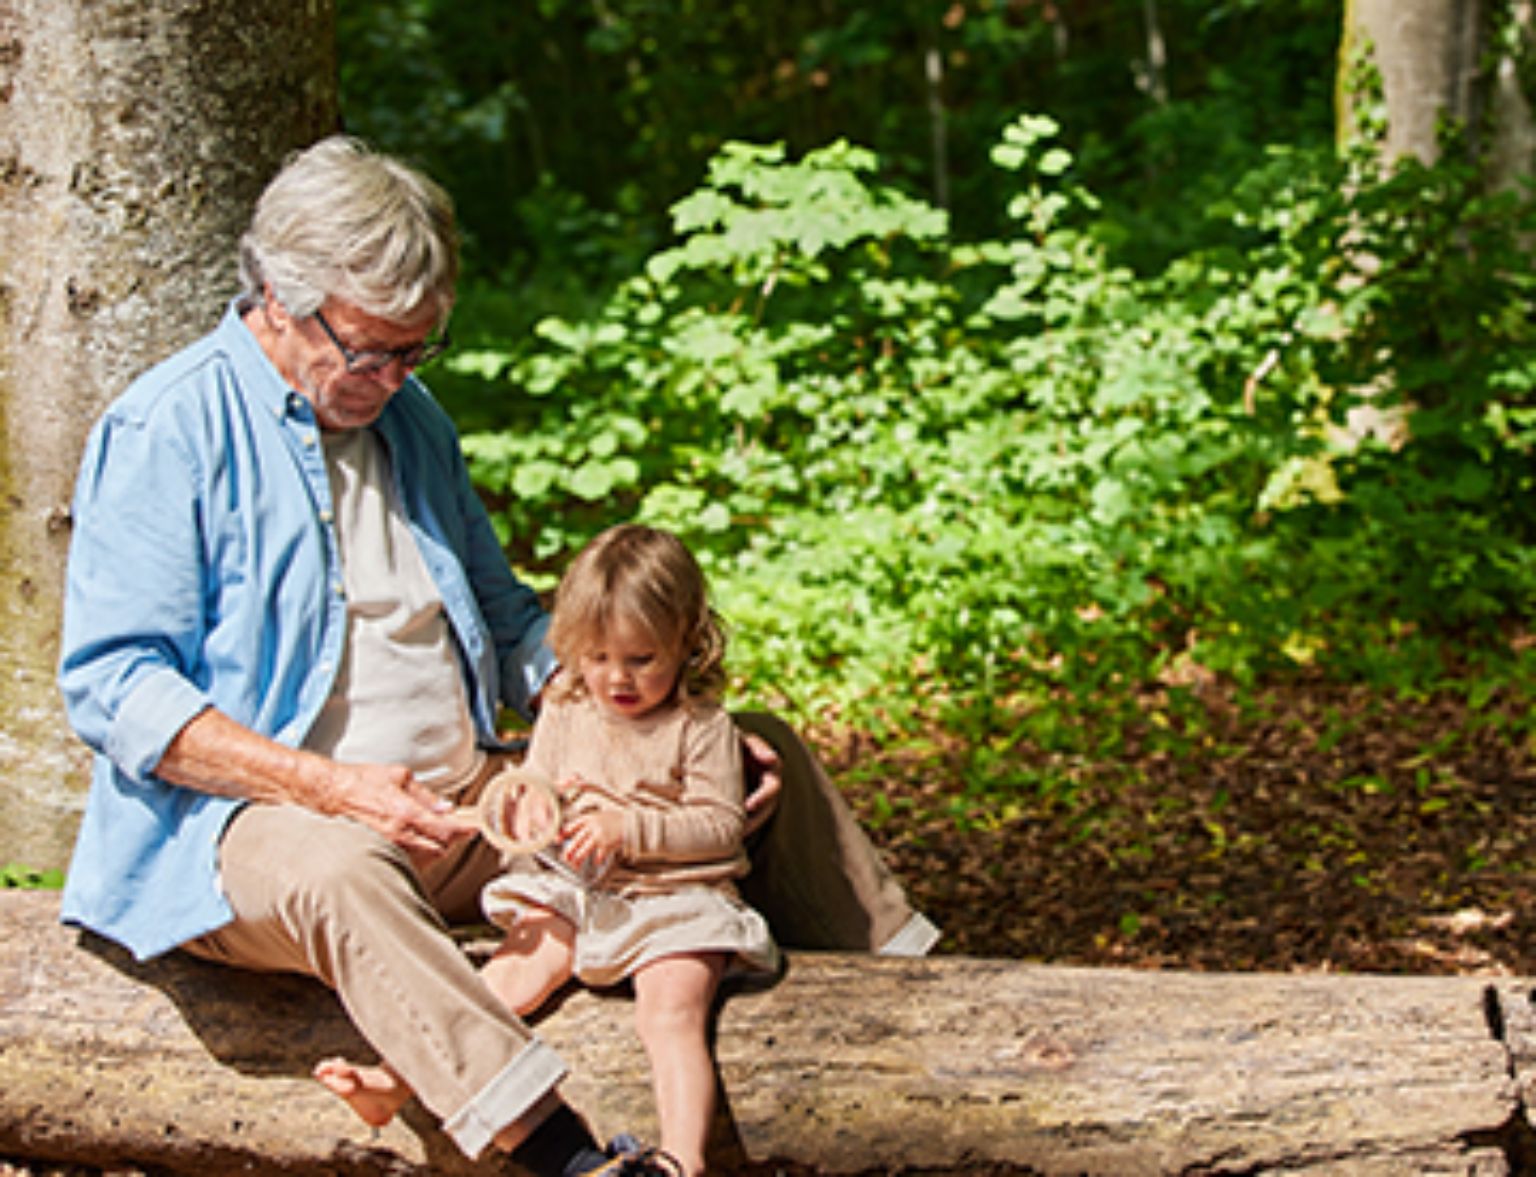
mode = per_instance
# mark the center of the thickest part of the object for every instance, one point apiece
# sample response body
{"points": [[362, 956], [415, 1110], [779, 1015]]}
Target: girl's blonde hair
{"points": [[648, 578]]}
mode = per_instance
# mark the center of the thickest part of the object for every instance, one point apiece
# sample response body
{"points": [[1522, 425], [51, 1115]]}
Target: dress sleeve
{"points": [[546, 740]]}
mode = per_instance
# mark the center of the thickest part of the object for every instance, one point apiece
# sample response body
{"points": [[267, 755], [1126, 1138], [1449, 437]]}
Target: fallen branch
{"points": [[850, 1064]]}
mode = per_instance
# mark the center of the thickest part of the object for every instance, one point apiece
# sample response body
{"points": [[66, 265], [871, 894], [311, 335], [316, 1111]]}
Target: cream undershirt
{"points": [[399, 697]]}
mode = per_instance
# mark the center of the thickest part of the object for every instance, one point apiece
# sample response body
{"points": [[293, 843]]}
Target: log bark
{"points": [[848, 1065]]}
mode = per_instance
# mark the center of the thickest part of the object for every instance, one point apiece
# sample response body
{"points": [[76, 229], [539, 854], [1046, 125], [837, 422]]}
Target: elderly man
{"points": [[288, 630]]}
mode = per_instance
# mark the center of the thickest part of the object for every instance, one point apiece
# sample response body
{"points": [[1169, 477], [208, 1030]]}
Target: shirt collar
{"points": [[260, 380]]}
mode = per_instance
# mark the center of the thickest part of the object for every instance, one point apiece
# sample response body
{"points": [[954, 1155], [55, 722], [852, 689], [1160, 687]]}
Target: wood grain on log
{"points": [[849, 1064]]}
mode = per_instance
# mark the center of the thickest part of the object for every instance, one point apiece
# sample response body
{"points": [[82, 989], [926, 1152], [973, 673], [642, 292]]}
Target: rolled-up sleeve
{"points": [[134, 595]]}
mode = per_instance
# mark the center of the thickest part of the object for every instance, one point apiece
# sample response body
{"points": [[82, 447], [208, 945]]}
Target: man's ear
{"points": [[277, 314]]}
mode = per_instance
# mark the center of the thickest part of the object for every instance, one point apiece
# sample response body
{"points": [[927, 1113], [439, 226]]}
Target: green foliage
{"points": [[566, 130], [1008, 483], [1435, 298], [14, 876], [1150, 387]]}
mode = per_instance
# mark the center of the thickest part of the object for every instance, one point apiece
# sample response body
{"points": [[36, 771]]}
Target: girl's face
{"points": [[629, 672]]}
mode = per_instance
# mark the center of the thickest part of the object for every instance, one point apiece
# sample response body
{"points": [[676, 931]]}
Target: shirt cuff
{"points": [[916, 937], [158, 707], [527, 669]]}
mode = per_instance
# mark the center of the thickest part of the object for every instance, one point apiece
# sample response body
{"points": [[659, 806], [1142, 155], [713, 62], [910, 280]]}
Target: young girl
{"points": [[649, 769]]}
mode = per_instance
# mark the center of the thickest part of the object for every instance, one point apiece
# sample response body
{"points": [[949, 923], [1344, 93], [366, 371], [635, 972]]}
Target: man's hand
{"points": [[761, 765], [389, 800]]}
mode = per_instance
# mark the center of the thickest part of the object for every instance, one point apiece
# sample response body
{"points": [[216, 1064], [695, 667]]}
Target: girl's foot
{"points": [[374, 1093]]}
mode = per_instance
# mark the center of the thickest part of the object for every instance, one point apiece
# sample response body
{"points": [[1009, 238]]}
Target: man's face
{"points": [[314, 360]]}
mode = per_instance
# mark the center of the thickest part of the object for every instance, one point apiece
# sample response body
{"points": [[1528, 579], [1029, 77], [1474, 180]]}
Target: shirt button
{"points": [[326, 516]]}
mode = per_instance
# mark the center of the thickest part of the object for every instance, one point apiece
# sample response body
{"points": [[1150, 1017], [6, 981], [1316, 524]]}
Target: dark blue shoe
{"points": [[627, 1157]]}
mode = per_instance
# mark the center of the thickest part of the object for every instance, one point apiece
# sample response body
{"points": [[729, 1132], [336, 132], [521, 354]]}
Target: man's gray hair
{"points": [[341, 220]]}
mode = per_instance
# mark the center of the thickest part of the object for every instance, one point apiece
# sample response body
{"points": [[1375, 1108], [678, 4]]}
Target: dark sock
{"points": [[560, 1147]]}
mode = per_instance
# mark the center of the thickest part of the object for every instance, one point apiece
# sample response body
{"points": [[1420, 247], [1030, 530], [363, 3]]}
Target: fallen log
{"points": [[850, 1064]]}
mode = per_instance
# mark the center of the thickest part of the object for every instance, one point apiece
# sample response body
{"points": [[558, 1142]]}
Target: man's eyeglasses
{"points": [[364, 363]]}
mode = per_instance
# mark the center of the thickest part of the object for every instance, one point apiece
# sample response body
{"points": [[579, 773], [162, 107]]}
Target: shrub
{"points": [[1012, 481]]}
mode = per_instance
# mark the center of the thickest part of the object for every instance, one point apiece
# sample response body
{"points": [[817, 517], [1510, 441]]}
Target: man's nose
{"points": [[392, 375]]}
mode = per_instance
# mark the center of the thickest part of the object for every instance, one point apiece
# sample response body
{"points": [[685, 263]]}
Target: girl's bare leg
{"points": [[672, 1003], [532, 962]]}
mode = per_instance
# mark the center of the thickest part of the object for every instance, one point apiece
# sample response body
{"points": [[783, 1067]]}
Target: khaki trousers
{"points": [[816, 877], [330, 898]]}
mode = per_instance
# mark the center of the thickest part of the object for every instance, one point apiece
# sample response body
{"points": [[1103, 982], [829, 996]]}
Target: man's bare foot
{"points": [[374, 1093]]}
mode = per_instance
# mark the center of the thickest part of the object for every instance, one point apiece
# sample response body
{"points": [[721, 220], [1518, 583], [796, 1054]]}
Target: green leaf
{"points": [[1055, 161], [532, 480], [15, 876], [1010, 156], [484, 363]]}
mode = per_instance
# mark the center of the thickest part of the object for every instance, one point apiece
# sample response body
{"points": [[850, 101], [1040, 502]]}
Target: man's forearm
{"points": [[215, 754]]}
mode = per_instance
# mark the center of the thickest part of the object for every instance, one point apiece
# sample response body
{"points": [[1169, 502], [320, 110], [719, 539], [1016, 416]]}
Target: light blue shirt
{"points": [[204, 572]]}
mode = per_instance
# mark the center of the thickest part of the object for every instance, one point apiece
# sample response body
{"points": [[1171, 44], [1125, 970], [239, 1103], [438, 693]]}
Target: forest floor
{"points": [[1317, 828]]}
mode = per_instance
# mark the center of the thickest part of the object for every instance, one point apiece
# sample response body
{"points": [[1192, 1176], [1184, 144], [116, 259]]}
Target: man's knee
{"points": [[303, 861], [360, 873]]}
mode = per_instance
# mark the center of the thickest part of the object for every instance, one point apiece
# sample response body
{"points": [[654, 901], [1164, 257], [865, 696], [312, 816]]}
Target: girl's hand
{"points": [[570, 788], [594, 837]]}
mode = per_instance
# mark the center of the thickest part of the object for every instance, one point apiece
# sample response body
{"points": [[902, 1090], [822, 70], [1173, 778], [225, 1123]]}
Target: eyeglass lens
{"points": [[376, 360]]}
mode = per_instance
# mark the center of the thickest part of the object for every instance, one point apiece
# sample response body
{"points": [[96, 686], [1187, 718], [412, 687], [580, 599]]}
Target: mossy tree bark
{"points": [[1447, 62], [134, 135], [1428, 54]]}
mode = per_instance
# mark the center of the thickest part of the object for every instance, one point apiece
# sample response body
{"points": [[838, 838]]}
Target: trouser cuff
{"points": [[505, 1099], [916, 937]]}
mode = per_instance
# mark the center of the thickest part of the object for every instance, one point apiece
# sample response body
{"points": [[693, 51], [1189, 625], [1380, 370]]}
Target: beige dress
{"points": [[677, 775]]}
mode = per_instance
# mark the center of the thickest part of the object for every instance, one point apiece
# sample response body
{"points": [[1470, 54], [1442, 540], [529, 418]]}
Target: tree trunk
{"points": [[1429, 55], [134, 136], [1512, 148], [1155, 79], [850, 1064]]}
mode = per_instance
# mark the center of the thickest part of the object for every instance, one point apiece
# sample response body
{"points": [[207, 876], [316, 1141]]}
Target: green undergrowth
{"points": [[1010, 490], [14, 876]]}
